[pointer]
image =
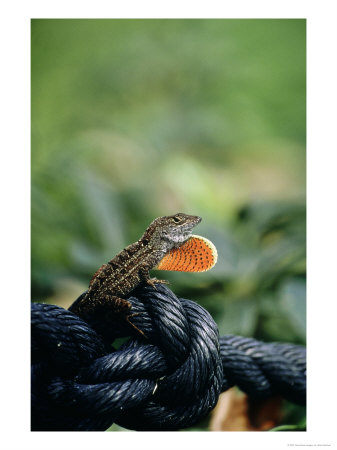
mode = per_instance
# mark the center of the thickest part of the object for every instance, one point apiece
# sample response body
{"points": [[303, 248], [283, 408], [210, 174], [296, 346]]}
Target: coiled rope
{"points": [[168, 381]]}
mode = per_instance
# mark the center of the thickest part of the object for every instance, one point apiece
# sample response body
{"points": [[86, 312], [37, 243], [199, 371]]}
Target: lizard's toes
{"points": [[153, 281]]}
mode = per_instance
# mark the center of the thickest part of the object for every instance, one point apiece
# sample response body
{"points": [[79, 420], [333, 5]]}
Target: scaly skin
{"points": [[115, 280]]}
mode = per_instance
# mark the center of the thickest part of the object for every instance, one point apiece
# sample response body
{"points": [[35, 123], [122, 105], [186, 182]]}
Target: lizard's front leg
{"points": [[145, 276]]}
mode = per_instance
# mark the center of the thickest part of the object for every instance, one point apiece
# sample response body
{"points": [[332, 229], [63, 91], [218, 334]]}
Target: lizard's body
{"points": [[115, 280]]}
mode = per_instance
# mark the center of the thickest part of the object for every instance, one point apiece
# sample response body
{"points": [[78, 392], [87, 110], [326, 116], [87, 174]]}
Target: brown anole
{"points": [[115, 280]]}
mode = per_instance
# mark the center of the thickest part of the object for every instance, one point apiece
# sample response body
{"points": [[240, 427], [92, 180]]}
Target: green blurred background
{"points": [[134, 119]]}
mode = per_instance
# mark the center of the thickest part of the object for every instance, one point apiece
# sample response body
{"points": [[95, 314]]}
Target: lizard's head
{"points": [[171, 231]]}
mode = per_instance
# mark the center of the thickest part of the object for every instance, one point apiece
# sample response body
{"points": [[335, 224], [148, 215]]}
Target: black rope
{"points": [[168, 381]]}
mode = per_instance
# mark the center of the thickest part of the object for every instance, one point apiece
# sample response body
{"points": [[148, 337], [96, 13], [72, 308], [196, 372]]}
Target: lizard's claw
{"points": [[153, 281], [134, 326]]}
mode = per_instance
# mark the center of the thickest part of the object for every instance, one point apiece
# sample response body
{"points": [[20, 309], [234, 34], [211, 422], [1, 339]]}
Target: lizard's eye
{"points": [[177, 219]]}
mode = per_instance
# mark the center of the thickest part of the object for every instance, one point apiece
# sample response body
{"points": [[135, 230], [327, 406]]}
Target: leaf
{"points": [[289, 428], [235, 411], [293, 303]]}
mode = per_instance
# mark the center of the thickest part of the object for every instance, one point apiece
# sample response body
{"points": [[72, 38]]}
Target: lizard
{"points": [[113, 281]]}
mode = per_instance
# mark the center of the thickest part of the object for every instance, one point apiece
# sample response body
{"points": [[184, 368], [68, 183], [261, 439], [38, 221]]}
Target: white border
{"points": [[322, 222]]}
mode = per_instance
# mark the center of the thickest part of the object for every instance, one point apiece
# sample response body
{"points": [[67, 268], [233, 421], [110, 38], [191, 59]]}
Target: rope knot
{"points": [[166, 382]]}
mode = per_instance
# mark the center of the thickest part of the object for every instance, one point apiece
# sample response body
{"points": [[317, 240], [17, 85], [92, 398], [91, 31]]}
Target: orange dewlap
{"points": [[197, 254]]}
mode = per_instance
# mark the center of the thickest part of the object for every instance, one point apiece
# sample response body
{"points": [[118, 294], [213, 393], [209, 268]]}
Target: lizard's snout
{"points": [[195, 221]]}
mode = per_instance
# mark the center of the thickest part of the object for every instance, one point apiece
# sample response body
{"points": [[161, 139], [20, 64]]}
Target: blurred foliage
{"points": [[134, 119]]}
